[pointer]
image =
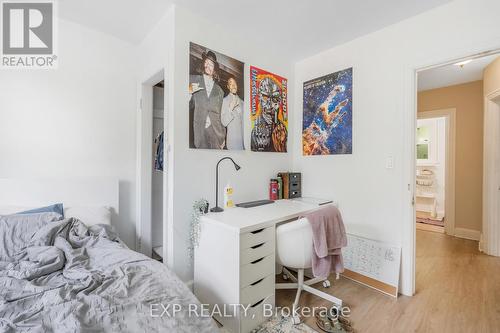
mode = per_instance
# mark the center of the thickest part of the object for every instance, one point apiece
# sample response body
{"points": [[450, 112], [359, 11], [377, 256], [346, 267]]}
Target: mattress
{"points": [[74, 278]]}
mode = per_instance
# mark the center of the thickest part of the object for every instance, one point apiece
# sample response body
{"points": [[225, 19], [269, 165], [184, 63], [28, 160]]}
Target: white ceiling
{"points": [[298, 27], [303, 28], [129, 20], [450, 75]]}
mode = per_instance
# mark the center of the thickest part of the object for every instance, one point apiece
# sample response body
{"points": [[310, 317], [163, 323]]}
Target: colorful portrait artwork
{"points": [[269, 111], [327, 122], [216, 105]]}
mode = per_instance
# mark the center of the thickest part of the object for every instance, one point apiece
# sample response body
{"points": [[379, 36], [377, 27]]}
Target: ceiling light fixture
{"points": [[463, 63]]}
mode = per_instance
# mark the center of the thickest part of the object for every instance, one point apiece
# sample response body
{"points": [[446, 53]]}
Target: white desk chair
{"points": [[294, 249]]}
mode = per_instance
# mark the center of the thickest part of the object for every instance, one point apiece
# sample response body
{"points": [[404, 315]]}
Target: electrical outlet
{"points": [[389, 162]]}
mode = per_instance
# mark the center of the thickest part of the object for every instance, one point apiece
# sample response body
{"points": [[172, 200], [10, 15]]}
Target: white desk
{"points": [[235, 260]]}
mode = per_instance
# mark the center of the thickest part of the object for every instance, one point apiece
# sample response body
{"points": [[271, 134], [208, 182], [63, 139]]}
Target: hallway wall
{"points": [[467, 99]]}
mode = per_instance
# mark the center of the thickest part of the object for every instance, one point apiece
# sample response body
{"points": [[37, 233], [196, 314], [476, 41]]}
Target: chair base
{"points": [[299, 284]]}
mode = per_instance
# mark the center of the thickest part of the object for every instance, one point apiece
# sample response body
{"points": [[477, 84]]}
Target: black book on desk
{"points": [[256, 203]]}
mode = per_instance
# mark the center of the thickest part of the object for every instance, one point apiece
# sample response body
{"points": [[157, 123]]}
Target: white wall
{"points": [[77, 121], [195, 169], [375, 201]]}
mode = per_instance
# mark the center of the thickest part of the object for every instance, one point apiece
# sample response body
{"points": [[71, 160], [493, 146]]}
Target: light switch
{"points": [[389, 162]]}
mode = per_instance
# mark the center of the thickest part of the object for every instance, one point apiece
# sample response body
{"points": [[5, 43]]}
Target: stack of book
{"points": [[286, 185]]}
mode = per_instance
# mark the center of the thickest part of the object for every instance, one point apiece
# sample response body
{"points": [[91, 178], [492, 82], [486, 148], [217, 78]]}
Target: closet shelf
{"points": [[426, 195]]}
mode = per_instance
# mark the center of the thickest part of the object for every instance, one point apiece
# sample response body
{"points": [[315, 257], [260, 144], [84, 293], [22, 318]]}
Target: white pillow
{"points": [[89, 215], [8, 210]]}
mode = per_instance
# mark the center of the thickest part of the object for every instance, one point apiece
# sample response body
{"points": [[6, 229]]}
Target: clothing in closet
{"points": [[159, 152]]}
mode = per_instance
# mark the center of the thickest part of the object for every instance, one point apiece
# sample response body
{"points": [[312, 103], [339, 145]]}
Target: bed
{"points": [[65, 275]]}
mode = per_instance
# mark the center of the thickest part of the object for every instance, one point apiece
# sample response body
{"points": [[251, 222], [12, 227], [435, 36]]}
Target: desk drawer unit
{"points": [[234, 267], [257, 265]]}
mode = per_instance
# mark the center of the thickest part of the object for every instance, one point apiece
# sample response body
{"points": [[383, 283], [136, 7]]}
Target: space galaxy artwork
{"points": [[327, 122], [268, 111]]}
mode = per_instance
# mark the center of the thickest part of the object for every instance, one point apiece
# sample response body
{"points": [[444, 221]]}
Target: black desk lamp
{"points": [[217, 209]]}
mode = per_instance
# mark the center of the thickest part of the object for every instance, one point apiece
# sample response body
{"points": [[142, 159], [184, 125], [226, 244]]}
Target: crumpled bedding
{"points": [[71, 278]]}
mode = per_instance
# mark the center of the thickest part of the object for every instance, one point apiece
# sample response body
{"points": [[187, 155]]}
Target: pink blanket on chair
{"points": [[329, 238]]}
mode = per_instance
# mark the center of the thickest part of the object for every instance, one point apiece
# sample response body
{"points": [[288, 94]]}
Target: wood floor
{"points": [[429, 227], [457, 290]]}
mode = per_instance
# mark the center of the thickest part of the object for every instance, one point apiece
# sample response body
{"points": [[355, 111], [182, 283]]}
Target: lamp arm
{"points": [[217, 179], [224, 158], [217, 184]]}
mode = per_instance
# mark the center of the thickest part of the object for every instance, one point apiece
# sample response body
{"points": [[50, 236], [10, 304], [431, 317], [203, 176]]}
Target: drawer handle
{"points": [[258, 303], [258, 260], [257, 246], [256, 282], [257, 231]]}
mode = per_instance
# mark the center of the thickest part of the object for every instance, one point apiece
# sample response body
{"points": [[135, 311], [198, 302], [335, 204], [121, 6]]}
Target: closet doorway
{"points": [[152, 171]]}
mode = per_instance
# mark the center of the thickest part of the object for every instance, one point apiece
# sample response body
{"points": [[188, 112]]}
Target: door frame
{"points": [[145, 165], [450, 135], [411, 70], [490, 238]]}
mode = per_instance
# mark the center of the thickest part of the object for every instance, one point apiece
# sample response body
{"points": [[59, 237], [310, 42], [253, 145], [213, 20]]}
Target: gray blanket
{"points": [[70, 278]]}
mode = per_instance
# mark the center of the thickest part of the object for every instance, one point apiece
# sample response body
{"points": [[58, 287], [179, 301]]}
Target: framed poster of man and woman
{"points": [[217, 107]]}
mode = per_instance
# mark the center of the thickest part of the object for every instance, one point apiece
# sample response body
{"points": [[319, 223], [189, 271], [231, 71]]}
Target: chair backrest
{"points": [[294, 244]]}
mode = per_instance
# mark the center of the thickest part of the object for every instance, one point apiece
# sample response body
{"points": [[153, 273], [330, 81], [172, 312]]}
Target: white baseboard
{"points": [[467, 233], [481, 243]]}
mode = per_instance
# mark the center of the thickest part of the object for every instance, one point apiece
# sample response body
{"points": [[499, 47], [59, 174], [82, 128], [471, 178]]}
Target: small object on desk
{"points": [[273, 189], [280, 188], [291, 185], [256, 203], [295, 185], [228, 196], [284, 176]]}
